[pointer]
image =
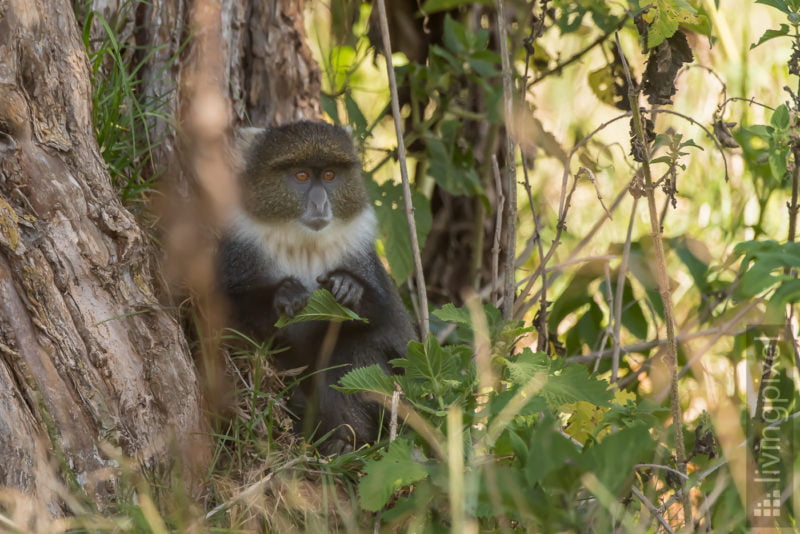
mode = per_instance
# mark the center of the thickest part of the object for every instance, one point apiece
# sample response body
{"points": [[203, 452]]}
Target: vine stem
{"points": [[663, 284], [422, 311], [509, 264]]}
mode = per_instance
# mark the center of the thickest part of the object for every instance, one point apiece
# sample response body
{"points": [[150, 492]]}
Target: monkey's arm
{"points": [[256, 293]]}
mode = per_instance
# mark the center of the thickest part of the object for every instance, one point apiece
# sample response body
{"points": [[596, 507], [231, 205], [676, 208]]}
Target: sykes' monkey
{"points": [[306, 222]]}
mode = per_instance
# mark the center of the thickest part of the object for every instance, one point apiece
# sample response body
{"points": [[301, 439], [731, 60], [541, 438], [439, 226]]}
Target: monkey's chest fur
{"points": [[289, 249]]}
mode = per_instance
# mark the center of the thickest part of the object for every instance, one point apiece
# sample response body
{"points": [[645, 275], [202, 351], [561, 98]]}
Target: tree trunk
{"points": [[87, 354]]}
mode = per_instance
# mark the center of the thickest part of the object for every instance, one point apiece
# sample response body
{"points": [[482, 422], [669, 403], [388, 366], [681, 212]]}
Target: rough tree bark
{"points": [[87, 354]]}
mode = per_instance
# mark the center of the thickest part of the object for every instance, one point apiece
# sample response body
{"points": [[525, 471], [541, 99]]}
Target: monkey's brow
{"points": [[284, 163]]}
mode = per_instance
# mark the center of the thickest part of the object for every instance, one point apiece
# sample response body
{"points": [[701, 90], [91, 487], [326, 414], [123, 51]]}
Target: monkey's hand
{"points": [[345, 289], [291, 296]]}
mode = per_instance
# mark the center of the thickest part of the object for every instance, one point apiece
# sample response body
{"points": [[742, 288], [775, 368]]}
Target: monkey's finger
{"points": [[336, 287]]}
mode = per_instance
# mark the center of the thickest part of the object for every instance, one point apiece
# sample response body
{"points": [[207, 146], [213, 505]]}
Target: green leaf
{"points": [[666, 17], [632, 314], [528, 365], [366, 379], [772, 34], [549, 450], [780, 117], [452, 164], [761, 258], [390, 210], [355, 117], [601, 81], [393, 471], [574, 384], [429, 361], [777, 162], [688, 249], [788, 292], [322, 306], [781, 5], [451, 314], [613, 459]]}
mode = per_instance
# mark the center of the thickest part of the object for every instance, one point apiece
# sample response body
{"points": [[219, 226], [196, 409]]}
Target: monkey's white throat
{"points": [[293, 249]]}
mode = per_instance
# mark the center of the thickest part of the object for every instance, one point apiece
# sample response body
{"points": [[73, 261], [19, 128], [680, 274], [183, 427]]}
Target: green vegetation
{"points": [[625, 390]]}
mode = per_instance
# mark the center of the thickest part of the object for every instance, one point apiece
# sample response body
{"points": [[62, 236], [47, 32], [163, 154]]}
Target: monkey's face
{"points": [[310, 195], [306, 173]]}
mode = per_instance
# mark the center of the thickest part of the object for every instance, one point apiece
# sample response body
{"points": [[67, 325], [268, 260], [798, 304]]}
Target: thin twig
{"points": [[578, 54], [713, 137], [663, 282], [523, 305], [509, 285], [792, 205], [652, 509], [422, 315]]}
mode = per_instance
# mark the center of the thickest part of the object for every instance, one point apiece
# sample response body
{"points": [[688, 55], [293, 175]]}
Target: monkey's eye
{"points": [[302, 176], [328, 175]]}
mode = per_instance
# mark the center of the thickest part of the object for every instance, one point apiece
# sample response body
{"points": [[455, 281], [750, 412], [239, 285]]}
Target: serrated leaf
{"points": [[371, 378], [528, 365], [574, 384], [451, 314], [429, 361], [772, 34], [393, 471], [322, 306]]}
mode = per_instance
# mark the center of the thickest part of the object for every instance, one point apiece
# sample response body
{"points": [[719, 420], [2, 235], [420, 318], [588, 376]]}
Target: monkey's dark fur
{"points": [[306, 222]]}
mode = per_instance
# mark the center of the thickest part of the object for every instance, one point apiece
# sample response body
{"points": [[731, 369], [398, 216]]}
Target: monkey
{"points": [[306, 222]]}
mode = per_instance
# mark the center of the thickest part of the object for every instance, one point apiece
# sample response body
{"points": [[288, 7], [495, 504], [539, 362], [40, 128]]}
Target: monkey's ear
{"points": [[244, 137]]}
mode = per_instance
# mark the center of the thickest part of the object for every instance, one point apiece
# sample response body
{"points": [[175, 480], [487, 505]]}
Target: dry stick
{"points": [[623, 270], [663, 285], [537, 230], [793, 207], [644, 345], [422, 315], [509, 285], [257, 487], [498, 230]]}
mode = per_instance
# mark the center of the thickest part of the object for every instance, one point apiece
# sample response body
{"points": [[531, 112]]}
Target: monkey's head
{"points": [[305, 171]]}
